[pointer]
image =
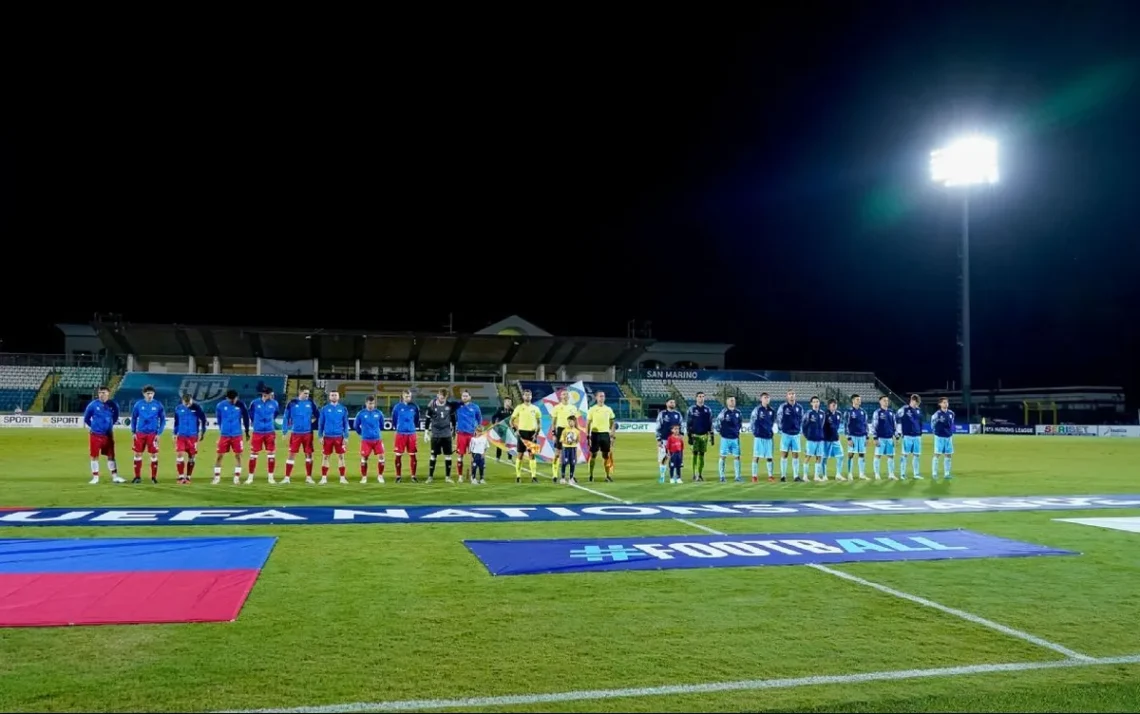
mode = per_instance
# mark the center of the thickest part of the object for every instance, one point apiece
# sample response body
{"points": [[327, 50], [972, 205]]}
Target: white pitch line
{"points": [[600, 493], [682, 689], [967, 616]]}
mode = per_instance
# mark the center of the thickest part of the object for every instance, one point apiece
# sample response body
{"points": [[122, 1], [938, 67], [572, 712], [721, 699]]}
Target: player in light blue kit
{"points": [[813, 434], [831, 447], [728, 425], [910, 424], [763, 429], [942, 424], [789, 419], [855, 424], [884, 432]]}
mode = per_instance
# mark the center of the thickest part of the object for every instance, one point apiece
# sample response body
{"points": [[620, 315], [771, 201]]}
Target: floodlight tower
{"points": [[965, 163]]}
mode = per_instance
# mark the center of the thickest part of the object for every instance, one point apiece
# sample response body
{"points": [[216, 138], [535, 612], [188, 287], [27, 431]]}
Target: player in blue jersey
{"points": [[667, 418], [813, 435], [699, 427], [406, 422], [189, 428], [233, 421], [910, 424], [763, 431], [100, 418], [728, 425], [369, 423], [263, 414], [332, 427], [855, 424], [789, 420], [883, 431], [942, 424], [148, 420], [301, 415], [468, 419], [831, 448]]}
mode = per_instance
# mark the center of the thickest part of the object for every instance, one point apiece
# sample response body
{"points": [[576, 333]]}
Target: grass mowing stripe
{"points": [[968, 616], [677, 689]]}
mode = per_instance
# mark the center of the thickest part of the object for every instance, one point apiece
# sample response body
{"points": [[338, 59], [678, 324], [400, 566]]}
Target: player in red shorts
{"points": [[148, 420], [189, 427], [369, 423], [301, 416], [263, 415], [100, 418], [233, 420], [332, 427], [406, 422], [468, 418]]}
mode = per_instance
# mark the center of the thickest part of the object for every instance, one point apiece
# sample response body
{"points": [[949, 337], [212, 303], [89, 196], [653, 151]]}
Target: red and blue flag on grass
{"points": [[48, 582]]}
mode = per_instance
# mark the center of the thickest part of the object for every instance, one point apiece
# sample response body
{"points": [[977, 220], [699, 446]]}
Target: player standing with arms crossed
{"points": [[728, 424], [601, 425], [855, 424], [831, 448], [526, 420], [301, 416], [406, 422], [699, 426], [440, 427], [560, 421], [233, 419], [189, 427], [813, 435], [369, 423], [148, 420], [942, 424], [884, 432], [910, 423], [468, 418], [100, 418], [763, 432], [666, 420], [332, 428], [789, 419], [263, 414]]}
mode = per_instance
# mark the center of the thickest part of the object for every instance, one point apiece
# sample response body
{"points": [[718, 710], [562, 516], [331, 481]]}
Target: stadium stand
{"points": [[88, 378], [207, 389], [19, 385]]}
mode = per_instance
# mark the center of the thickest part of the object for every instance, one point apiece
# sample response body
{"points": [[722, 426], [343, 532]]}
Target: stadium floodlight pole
{"points": [[966, 162]]}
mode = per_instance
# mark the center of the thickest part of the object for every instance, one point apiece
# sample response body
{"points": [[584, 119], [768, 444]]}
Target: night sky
{"points": [[768, 189]]}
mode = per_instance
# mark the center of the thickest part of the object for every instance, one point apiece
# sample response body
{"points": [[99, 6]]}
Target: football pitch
{"points": [[403, 617]]}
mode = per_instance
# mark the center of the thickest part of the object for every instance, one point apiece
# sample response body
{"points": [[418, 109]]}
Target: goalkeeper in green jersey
{"points": [[698, 425]]}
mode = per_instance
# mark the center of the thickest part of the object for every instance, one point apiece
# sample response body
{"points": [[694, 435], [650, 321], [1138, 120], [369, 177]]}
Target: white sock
{"points": [[113, 467], [94, 467]]}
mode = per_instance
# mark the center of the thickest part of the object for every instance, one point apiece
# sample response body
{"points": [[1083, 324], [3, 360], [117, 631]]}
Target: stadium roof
{"points": [[173, 340]]}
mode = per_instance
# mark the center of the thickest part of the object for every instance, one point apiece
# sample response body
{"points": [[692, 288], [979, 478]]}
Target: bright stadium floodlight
{"points": [[970, 161]]}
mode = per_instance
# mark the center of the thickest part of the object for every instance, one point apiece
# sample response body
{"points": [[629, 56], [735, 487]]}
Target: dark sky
{"points": [[768, 188]]}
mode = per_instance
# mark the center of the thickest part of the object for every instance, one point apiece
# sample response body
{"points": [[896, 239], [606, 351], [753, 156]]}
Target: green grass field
{"points": [[381, 614]]}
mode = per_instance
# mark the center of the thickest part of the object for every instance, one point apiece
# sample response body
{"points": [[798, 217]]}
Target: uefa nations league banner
{"points": [[1018, 430], [535, 557]]}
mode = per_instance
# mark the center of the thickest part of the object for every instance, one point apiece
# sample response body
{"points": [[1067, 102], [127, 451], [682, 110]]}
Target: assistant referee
{"points": [[601, 424]]}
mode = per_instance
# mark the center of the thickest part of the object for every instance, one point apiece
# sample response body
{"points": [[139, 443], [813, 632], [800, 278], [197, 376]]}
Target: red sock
{"points": [[380, 468], [153, 468], [341, 469], [138, 467], [270, 464], [190, 467], [413, 465], [181, 467], [363, 468], [399, 466], [459, 466], [289, 468], [324, 470], [252, 465], [308, 467]]}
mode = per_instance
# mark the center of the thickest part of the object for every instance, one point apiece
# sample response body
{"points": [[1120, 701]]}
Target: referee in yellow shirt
{"points": [[560, 416], [601, 425], [526, 420]]}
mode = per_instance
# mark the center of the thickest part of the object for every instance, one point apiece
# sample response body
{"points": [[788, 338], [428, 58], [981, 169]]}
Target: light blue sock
{"points": [[662, 473], [720, 468], [796, 467], [862, 466], [902, 466], [769, 463], [890, 466], [824, 466], [946, 468], [755, 468], [875, 464], [914, 464], [783, 466], [818, 469], [934, 467], [736, 468]]}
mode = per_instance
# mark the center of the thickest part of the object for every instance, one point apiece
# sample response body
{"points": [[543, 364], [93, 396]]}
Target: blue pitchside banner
{"points": [[315, 515], [534, 557]]}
